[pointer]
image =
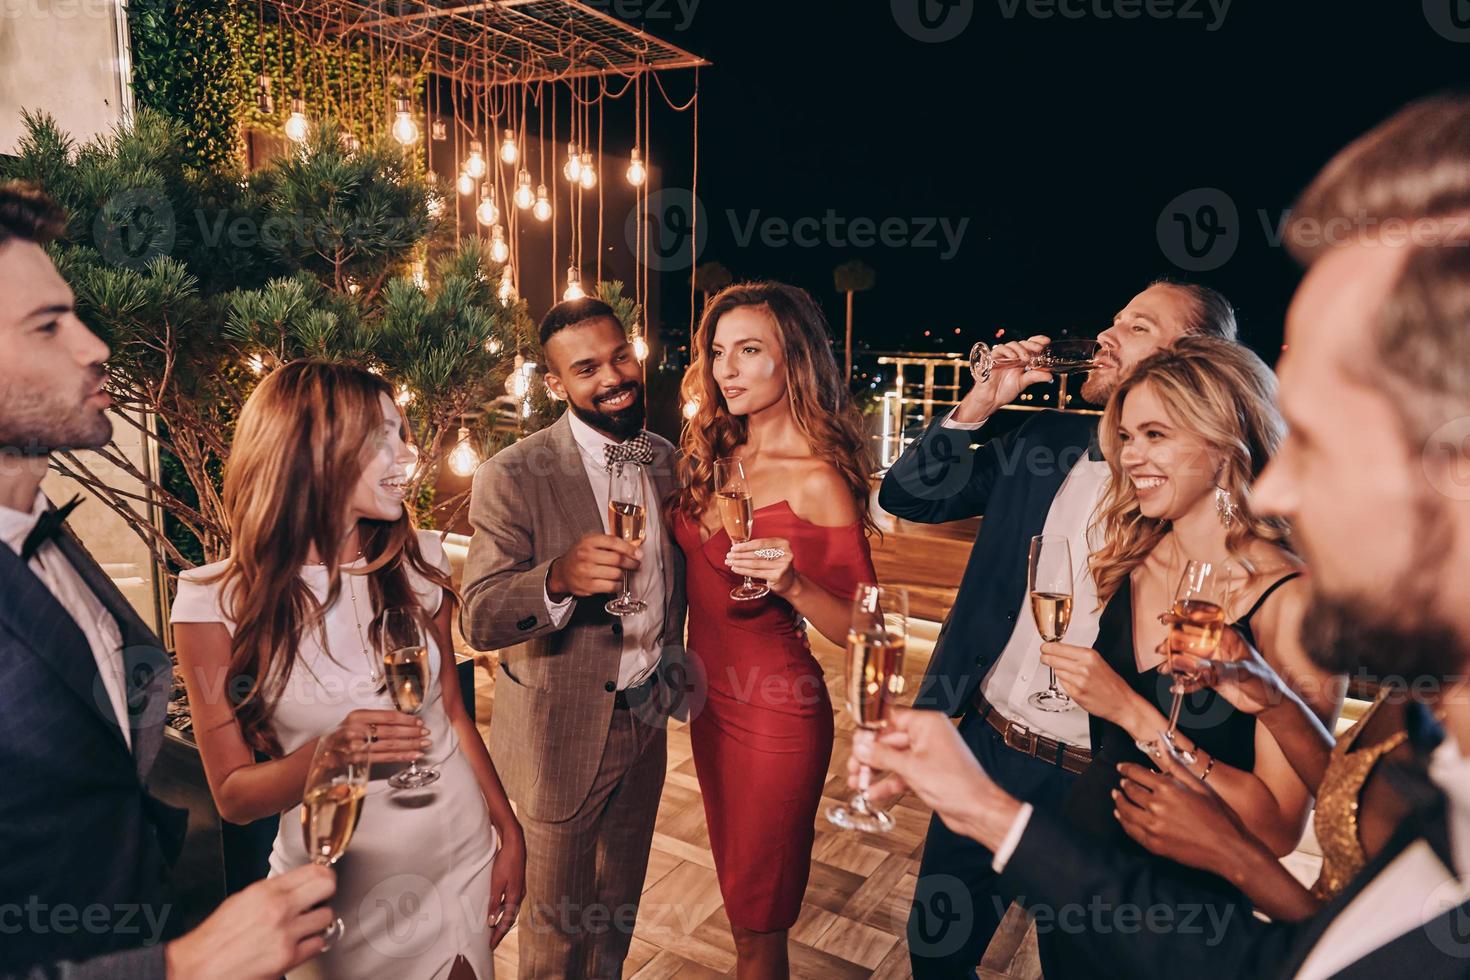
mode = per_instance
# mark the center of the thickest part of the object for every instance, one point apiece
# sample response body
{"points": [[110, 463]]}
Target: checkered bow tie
{"points": [[637, 450]]}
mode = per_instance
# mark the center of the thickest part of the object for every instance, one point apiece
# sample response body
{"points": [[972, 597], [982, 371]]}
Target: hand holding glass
{"points": [[626, 519], [1049, 580], [732, 497], [331, 804], [1199, 619], [876, 641]]}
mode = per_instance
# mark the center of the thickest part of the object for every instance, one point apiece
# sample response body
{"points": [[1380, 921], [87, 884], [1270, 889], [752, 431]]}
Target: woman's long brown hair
{"points": [[1226, 395], [303, 440], [820, 402]]}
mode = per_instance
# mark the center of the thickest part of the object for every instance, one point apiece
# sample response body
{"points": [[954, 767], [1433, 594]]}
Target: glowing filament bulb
{"points": [[509, 152], [572, 170], [640, 347], [588, 176], [542, 208], [637, 174], [466, 183], [297, 126], [487, 213], [464, 459], [499, 250], [474, 165], [523, 196], [574, 285], [405, 130]]}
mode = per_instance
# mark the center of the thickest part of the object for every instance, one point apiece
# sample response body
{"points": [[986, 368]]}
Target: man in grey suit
{"points": [[84, 847], [582, 697]]}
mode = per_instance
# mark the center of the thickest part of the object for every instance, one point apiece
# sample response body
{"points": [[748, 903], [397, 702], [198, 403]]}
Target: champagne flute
{"points": [[332, 802], [732, 497], [626, 519], [1064, 356], [1199, 611], [875, 647], [404, 646], [1049, 579]]}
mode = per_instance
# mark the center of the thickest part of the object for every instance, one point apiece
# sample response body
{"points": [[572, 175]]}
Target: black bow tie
{"points": [[636, 450], [47, 528]]}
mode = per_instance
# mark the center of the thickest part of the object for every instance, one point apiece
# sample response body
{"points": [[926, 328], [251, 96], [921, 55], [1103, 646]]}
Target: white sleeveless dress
{"points": [[413, 888]]}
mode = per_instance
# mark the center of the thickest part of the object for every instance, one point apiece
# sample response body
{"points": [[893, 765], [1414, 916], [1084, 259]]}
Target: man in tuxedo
{"points": [[1046, 476], [84, 848], [1375, 387], [582, 697]]}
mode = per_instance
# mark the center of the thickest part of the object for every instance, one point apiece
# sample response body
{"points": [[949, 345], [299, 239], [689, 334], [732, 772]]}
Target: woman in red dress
{"points": [[769, 393]]}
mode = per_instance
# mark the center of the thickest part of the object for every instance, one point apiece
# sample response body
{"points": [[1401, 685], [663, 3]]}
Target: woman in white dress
{"points": [[276, 650]]}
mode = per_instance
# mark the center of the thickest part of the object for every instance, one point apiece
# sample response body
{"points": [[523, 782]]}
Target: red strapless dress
{"points": [[763, 736]]}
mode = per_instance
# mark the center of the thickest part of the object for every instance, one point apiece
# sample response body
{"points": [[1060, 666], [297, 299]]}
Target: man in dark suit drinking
{"points": [[84, 848], [1046, 476]]}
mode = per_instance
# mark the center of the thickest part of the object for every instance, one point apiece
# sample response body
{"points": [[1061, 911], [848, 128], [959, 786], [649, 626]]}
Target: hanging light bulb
{"points": [[572, 169], [517, 383], [574, 285], [509, 152], [499, 250], [492, 346], [405, 130], [542, 208], [523, 196], [256, 364], [435, 206], [588, 176], [637, 174], [474, 164], [487, 213], [640, 347], [507, 291], [439, 131], [466, 184], [403, 397], [296, 125], [691, 407], [420, 275], [464, 459], [264, 100]]}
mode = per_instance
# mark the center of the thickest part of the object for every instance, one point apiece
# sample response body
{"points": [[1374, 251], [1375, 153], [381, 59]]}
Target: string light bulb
{"points": [[256, 364], [405, 130], [691, 407], [439, 131], [542, 208], [588, 177], [572, 169], [487, 213], [464, 458], [466, 184], [296, 125], [499, 250], [507, 291], [640, 347], [420, 275], [509, 152], [435, 206], [264, 100], [574, 285], [637, 173], [492, 346], [474, 164], [403, 397], [523, 196]]}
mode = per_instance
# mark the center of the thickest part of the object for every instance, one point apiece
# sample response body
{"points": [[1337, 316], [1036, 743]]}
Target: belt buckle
{"points": [[1028, 745]]}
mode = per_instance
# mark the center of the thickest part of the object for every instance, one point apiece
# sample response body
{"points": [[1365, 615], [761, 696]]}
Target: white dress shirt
{"points": [[77, 598], [641, 632], [1018, 672], [1413, 889]]}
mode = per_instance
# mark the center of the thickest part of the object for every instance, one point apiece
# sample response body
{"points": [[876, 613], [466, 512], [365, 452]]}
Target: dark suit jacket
{"points": [[1010, 481], [1198, 930], [83, 846]]}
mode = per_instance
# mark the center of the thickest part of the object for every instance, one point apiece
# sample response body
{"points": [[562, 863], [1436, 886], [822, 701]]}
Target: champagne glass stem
{"points": [[748, 582], [1178, 692], [627, 586]]}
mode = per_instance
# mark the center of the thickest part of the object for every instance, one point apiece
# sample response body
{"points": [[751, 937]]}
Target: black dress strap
{"points": [[1246, 619]]}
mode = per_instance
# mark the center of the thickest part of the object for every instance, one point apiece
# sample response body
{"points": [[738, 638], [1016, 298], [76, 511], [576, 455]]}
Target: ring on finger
{"points": [[372, 733], [770, 554]]}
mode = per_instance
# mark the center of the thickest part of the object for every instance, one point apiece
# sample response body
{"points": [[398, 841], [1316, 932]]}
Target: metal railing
{"points": [[926, 386]]}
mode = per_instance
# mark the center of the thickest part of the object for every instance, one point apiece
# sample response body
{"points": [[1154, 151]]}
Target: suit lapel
{"points": [[147, 669], [573, 491], [663, 483], [40, 621]]}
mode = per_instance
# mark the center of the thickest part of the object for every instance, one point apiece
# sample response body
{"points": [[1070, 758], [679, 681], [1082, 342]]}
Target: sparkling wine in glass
{"points": [[332, 802], [405, 650], [1049, 578], [1199, 610], [1058, 357], [626, 519], [876, 641], [732, 497]]}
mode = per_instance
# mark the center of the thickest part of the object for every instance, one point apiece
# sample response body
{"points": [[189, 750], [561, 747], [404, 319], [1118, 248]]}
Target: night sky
{"points": [[1060, 141]]}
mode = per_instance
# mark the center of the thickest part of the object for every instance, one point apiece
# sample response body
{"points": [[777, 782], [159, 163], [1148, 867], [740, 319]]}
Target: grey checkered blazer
{"points": [[554, 689]]}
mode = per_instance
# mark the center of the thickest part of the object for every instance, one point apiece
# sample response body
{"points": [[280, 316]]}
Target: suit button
{"points": [[617, 629], [1010, 617], [609, 687], [526, 623]]}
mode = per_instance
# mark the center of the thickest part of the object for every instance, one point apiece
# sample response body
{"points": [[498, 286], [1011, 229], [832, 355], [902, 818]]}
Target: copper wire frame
{"points": [[492, 42]]}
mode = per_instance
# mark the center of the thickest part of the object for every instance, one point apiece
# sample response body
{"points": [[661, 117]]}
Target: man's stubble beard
{"points": [[38, 427]]}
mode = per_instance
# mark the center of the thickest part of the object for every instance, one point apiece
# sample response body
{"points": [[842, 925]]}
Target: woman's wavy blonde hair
{"points": [[1221, 392], [820, 402], [303, 440]]}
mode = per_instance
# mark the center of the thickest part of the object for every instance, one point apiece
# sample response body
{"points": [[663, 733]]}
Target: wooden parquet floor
{"points": [[853, 918]]}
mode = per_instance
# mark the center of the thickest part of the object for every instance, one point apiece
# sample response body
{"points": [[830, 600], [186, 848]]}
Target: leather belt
{"points": [[1022, 739], [630, 696]]}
